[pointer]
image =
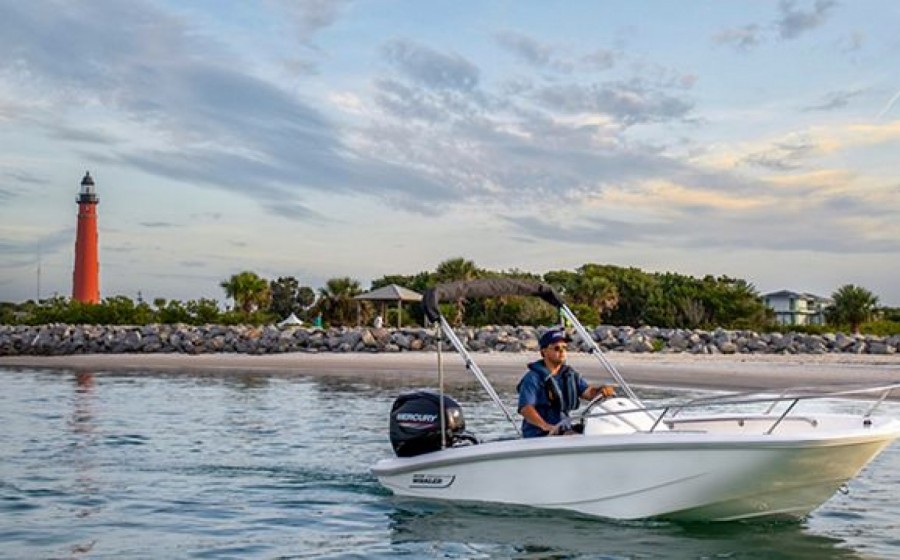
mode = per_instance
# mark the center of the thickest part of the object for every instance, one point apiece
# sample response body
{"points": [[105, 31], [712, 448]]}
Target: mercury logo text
{"points": [[416, 417]]}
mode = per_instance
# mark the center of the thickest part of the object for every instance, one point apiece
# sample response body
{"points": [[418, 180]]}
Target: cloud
{"points": [[836, 100], [784, 156], [488, 146], [790, 24], [27, 251], [430, 68], [544, 56], [805, 147], [853, 42], [600, 59], [793, 22], [525, 48], [741, 38], [310, 17], [772, 225], [85, 134], [541, 55], [192, 113], [630, 103], [13, 181], [193, 264], [294, 211]]}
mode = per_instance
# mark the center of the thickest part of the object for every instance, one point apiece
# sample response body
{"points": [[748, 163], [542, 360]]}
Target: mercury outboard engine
{"points": [[416, 424]]}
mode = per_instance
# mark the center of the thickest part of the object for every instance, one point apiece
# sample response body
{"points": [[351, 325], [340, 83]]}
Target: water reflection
{"points": [[81, 421], [81, 418], [515, 532]]}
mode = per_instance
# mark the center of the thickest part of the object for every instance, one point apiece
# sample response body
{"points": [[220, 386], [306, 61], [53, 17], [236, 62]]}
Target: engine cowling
{"points": [[415, 426]]}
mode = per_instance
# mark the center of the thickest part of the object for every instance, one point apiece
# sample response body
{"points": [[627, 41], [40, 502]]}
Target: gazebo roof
{"points": [[391, 292]]}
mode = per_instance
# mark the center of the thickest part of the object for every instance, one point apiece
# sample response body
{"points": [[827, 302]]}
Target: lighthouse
{"points": [[86, 278]]}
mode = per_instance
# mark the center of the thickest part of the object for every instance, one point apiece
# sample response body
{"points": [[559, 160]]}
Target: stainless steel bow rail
{"points": [[790, 396]]}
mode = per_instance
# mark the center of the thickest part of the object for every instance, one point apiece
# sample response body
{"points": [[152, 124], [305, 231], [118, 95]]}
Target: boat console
{"points": [[618, 416]]}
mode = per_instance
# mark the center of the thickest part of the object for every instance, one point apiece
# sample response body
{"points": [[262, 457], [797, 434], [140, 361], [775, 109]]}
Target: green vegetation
{"points": [[336, 301], [597, 293], [852, 306], [249, 292]]}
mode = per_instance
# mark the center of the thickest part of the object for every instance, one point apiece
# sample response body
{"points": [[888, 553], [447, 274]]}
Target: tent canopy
{"points": [[290, 321], [391, 292]]}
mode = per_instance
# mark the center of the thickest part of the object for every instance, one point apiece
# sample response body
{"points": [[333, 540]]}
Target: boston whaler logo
{"points": [[424, 480]]}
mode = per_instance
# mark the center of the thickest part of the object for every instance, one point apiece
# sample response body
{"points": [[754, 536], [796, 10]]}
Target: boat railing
{"points": [[739, 419], [790, 393], [789, 396]]}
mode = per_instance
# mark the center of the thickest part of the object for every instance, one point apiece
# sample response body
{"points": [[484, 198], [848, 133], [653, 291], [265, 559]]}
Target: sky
{"points": [[318, 139]]}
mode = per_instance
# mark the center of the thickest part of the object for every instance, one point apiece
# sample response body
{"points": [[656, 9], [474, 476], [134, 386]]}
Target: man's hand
{"points": [[602, 391], [564, 427]]}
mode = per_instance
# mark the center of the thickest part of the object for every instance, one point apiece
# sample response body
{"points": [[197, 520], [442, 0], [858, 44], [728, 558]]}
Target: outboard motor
{"points": [[416, 424]]}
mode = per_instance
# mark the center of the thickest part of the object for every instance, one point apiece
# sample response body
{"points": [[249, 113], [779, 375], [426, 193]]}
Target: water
{"points": [[151, 465]]}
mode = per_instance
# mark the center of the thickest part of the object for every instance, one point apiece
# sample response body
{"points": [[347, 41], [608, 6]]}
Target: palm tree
{"points": [[596, 291], [852, 305], [336, 300], [454, 270], [248, 290]]}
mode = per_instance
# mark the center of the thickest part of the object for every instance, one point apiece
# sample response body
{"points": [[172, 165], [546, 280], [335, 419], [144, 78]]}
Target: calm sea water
{"points": [[152, 465]]}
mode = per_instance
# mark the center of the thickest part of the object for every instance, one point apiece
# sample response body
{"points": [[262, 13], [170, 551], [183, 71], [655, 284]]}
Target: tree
{"points": [[171, 312], [853, 305], [248, 290], [455, 270], [634, 289], [284, 296], [508, 309], [306, 296], [596, 291], [417, 282], [203, 310], [336, 300]]}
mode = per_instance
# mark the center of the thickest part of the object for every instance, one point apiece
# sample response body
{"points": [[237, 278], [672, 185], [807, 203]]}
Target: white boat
{"points": [[713, 459]]}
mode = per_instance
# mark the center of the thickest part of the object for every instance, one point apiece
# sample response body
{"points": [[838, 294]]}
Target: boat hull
{"points": [[670, 474]]}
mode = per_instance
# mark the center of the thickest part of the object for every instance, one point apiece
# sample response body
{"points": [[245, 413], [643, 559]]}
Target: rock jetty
{"points": [[57, 339]]}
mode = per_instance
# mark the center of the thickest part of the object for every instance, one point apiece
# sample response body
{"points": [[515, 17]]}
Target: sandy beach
{"points": [[727, 372]]}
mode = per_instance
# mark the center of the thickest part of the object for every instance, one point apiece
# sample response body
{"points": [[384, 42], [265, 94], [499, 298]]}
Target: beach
{"points": [[718, 372]]}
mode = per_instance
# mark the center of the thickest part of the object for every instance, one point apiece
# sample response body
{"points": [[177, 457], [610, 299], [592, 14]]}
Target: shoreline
{"points": [[734, 372]]}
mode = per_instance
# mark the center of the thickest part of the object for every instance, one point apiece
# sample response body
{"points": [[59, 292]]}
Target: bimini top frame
{"points": [[498, 287]]}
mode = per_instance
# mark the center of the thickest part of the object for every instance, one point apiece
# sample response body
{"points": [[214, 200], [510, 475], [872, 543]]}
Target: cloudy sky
{"points": [[753, 139]]}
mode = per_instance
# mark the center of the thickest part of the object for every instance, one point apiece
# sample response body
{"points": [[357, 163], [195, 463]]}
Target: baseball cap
{"points": [[551, 336]]}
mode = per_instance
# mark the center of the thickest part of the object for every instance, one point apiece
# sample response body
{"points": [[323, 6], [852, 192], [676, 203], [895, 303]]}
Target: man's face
{"points": [[556, 353]]}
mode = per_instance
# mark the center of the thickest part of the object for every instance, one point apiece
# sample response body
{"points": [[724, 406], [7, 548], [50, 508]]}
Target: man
{"points": [[550, 389]]}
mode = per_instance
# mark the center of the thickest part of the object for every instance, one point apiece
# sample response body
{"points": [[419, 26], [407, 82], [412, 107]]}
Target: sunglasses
{"points": [[559, 347]]}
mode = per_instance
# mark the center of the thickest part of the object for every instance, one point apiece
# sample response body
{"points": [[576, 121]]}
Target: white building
{"points": [[792, 308]]}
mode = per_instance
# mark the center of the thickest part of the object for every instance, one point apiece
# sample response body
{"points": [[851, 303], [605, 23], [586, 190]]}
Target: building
{"points": [[792, 308], [86, 276]]}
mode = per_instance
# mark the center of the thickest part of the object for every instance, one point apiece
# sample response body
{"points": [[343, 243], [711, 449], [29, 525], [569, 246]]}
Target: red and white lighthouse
{"points": [[86, 278]]}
